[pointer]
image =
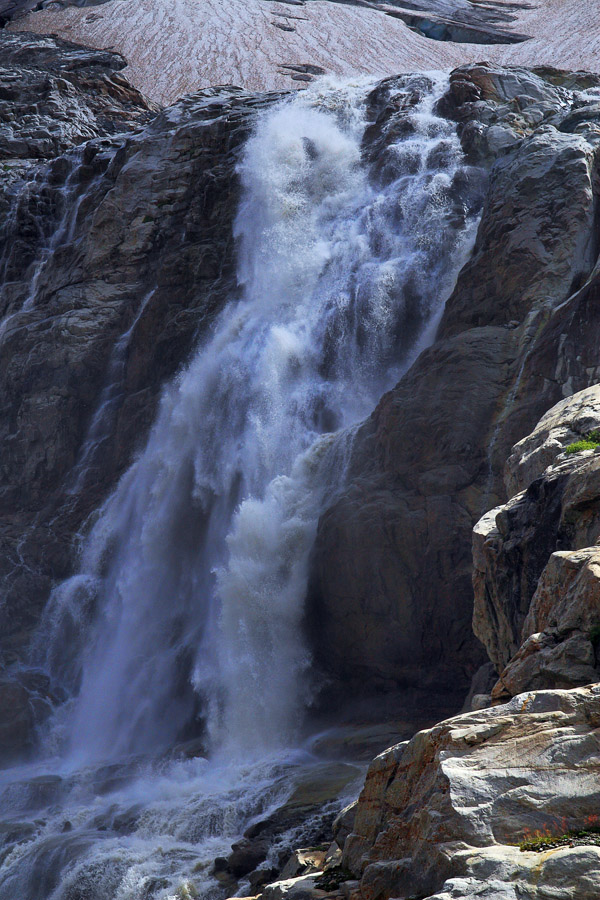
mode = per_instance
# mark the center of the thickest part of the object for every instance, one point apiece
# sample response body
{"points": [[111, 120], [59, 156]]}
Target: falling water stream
{"points": [[188, 603]]}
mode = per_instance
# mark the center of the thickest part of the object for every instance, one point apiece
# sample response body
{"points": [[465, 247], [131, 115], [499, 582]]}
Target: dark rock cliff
{"points": [[115, 250], [391, 587]]}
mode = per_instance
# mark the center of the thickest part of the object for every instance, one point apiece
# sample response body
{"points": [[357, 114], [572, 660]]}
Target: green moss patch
{"points": [[589, 442]]}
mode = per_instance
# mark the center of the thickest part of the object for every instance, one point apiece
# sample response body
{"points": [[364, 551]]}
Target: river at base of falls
{"points": [[198, 561], [140, 829]]}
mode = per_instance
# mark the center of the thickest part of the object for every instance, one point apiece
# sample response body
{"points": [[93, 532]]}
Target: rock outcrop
{"points": [[536, 559], [442, 815], [391, 585], [499, 803]]}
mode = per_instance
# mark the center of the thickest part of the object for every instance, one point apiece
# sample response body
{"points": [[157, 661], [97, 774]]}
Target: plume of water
{"points": [[199, 558], [189, 597]]}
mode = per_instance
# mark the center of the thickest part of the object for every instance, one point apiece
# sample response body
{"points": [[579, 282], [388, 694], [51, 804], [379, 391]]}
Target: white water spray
{"points": [[194, 574]]}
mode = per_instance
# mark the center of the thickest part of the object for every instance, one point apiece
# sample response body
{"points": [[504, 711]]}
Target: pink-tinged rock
{"points": [[451, 804]]}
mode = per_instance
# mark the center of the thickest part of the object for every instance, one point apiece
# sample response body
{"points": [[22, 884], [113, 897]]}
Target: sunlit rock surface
{"points": [[265, 45], [441, 814], [536, 559]]}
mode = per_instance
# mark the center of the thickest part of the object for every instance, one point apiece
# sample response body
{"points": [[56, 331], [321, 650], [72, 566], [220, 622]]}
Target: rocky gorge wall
{"points": [[392, 561], [144, 257], [117, 252], [112, 237]]}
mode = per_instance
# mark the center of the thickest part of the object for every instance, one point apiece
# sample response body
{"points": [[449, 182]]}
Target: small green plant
{"points": [[557, 835], [589, 442], [578, 446]]}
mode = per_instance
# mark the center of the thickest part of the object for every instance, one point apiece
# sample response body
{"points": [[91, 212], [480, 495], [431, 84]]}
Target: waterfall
{"points": [[186, 612], [67, 202]]}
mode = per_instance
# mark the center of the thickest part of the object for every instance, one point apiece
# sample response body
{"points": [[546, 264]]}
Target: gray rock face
{"points": [[442, 815], [457, 20], [536, 558], [56, 94], [391, 585]]}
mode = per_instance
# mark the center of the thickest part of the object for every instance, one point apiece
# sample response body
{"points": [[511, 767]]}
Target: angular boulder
{"points": [[443, 813]]}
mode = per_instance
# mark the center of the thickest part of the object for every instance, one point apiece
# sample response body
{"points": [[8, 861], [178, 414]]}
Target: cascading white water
{"points": [[189, 598], [307, 350]]}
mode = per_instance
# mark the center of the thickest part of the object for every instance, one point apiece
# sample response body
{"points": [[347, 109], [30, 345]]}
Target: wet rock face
{"points": [[391, 576], [442, 815], [55, 95], [114, 254], [536, 559]]}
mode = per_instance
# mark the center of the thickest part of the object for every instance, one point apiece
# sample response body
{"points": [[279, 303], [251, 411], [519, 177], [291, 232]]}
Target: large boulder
{"points": [[444, 813]]}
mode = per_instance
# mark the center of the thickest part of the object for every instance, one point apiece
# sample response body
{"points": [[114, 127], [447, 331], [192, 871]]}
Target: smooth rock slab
{"points": [[444, 811]]}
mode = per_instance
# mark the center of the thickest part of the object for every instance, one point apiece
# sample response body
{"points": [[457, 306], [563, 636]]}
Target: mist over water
{"points": [[186, 614]]}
